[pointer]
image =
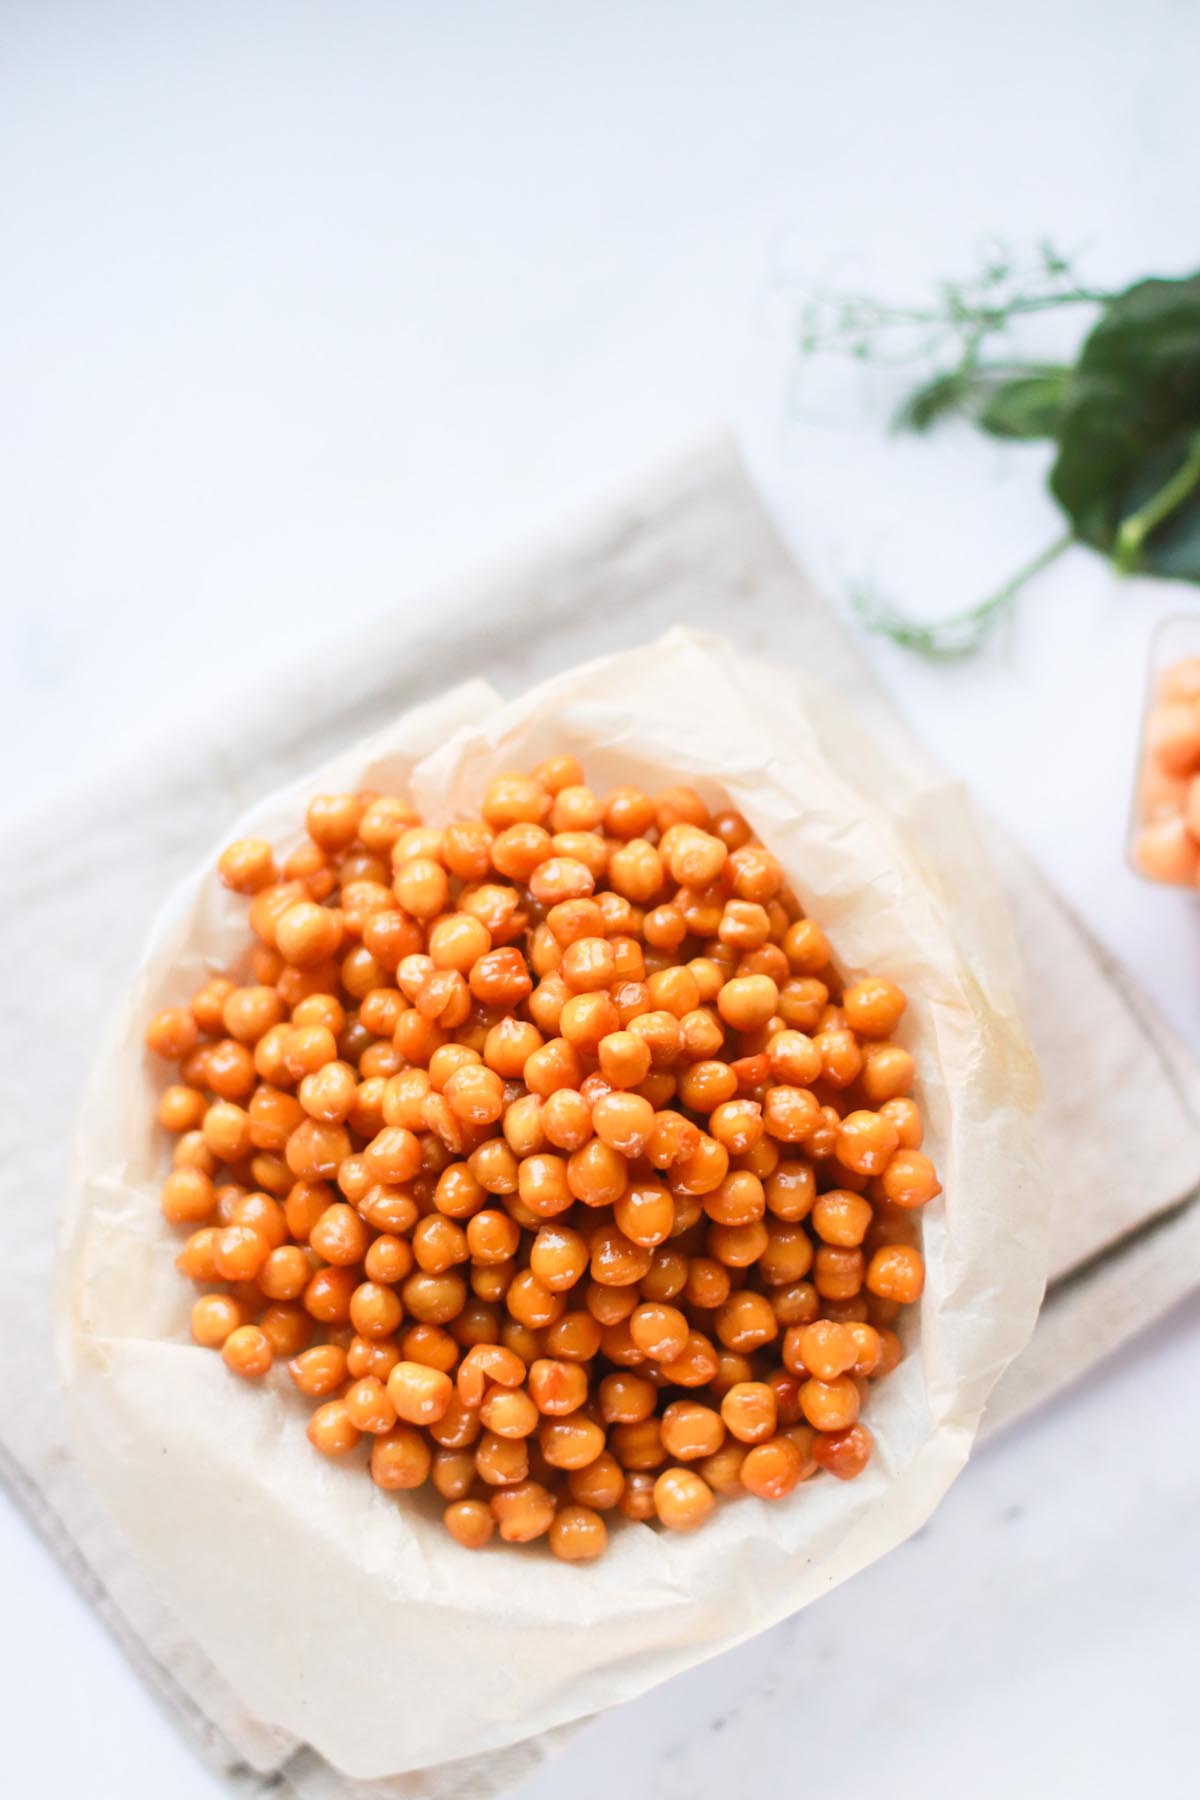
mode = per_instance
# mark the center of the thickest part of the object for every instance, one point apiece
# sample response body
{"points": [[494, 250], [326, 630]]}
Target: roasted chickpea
{"points": [[773, 1469], [683, 1500]]}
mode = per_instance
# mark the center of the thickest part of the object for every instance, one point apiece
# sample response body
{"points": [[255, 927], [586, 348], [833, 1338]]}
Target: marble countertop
{"points": [[303, 314]]}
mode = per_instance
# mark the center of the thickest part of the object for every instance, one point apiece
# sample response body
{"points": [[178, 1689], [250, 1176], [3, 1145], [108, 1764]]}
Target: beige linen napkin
{"points": [[693, 546]]}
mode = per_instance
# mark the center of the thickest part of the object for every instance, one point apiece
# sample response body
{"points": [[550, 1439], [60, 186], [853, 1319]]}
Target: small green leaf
{"points": [[1129, 424], [933, 400], [1029, 406]]}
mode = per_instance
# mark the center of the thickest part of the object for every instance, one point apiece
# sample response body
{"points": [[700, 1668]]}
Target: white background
{"points": [[304, 306]]}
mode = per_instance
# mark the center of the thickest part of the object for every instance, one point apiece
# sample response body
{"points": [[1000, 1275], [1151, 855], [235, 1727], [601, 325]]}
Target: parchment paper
{"points": [[348, 1617]]}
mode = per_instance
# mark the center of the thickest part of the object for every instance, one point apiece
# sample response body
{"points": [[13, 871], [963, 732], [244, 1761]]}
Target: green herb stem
{"points": [[1133, 531], [963, 633]]}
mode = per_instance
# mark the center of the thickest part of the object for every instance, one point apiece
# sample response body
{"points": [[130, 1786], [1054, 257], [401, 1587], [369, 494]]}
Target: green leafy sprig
{"points": [[1124, 417]]}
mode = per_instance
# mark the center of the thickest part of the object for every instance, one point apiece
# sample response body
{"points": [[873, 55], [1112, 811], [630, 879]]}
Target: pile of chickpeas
{"points": [[1166, 842], [551, 1156]]}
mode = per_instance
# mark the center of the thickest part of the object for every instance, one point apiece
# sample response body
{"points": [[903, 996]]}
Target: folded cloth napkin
{"points": [[1122, 1123]]}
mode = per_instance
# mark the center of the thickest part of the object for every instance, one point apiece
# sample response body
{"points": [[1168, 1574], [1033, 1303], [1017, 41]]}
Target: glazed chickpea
{"points": [[519, 849], [737, 1245], [501, 1461], [542, 1185], [557, 1389], [330, 1429], [660, 1332], [434, 1299], [523, 1512], [248, 866], [635, 871], [214, 1318], [375, 1311], [829, 1405], [690, 1430], [367, 1356], [866, 1142], [173, 1033], [573, 1337], [492, 1237], [841, 1218], [874, 1007], [420, 1395], [841, 1057], [558, 1257], [319, 1371], [896, 1272], [739, 1200], [332, 820], [745, 1321], [773, 1469], [530, 1302], [749, 1411], [180, 1108], [683, 1500], [790, 1114], [702, 1171], [645, 1214], [823, 1349], [788, 1255], [470, 1523], [327, 1296], [197, 1258], [843, 1453], [509, 1413], [555, 1065], [188, 1197], [284, 1273], [240, 1252], [368, 1406], [512, 799], [910, 1180], [400, 1456], [748, 1001], [571, 1442], [422, 887], [695, 1366], [307, 935]]}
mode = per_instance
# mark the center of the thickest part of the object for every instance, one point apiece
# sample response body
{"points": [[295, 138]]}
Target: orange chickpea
{"points": [[910, 1180], [748, 1001], [188, 1197], [896, 1272], [247, 1352], [683, 1500], [773, 1469], [842, 1218], [866, 1141], [559, 1256], [513, 799], [470, 1523], [319, 1371], [660, 1332], [419, 1394], [578, 1534], [843, 1453], [214, 1317], [247, 866], [173, 1033], [690, 1430], [523, 1512], [331, 1431], [749, 1411]]}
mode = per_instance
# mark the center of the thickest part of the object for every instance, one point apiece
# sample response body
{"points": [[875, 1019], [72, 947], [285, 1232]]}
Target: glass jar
{"points": [[1164, 826]]}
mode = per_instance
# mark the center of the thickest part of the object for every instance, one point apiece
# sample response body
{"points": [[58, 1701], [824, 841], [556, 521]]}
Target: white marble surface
{"points": [[303, 309]]}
